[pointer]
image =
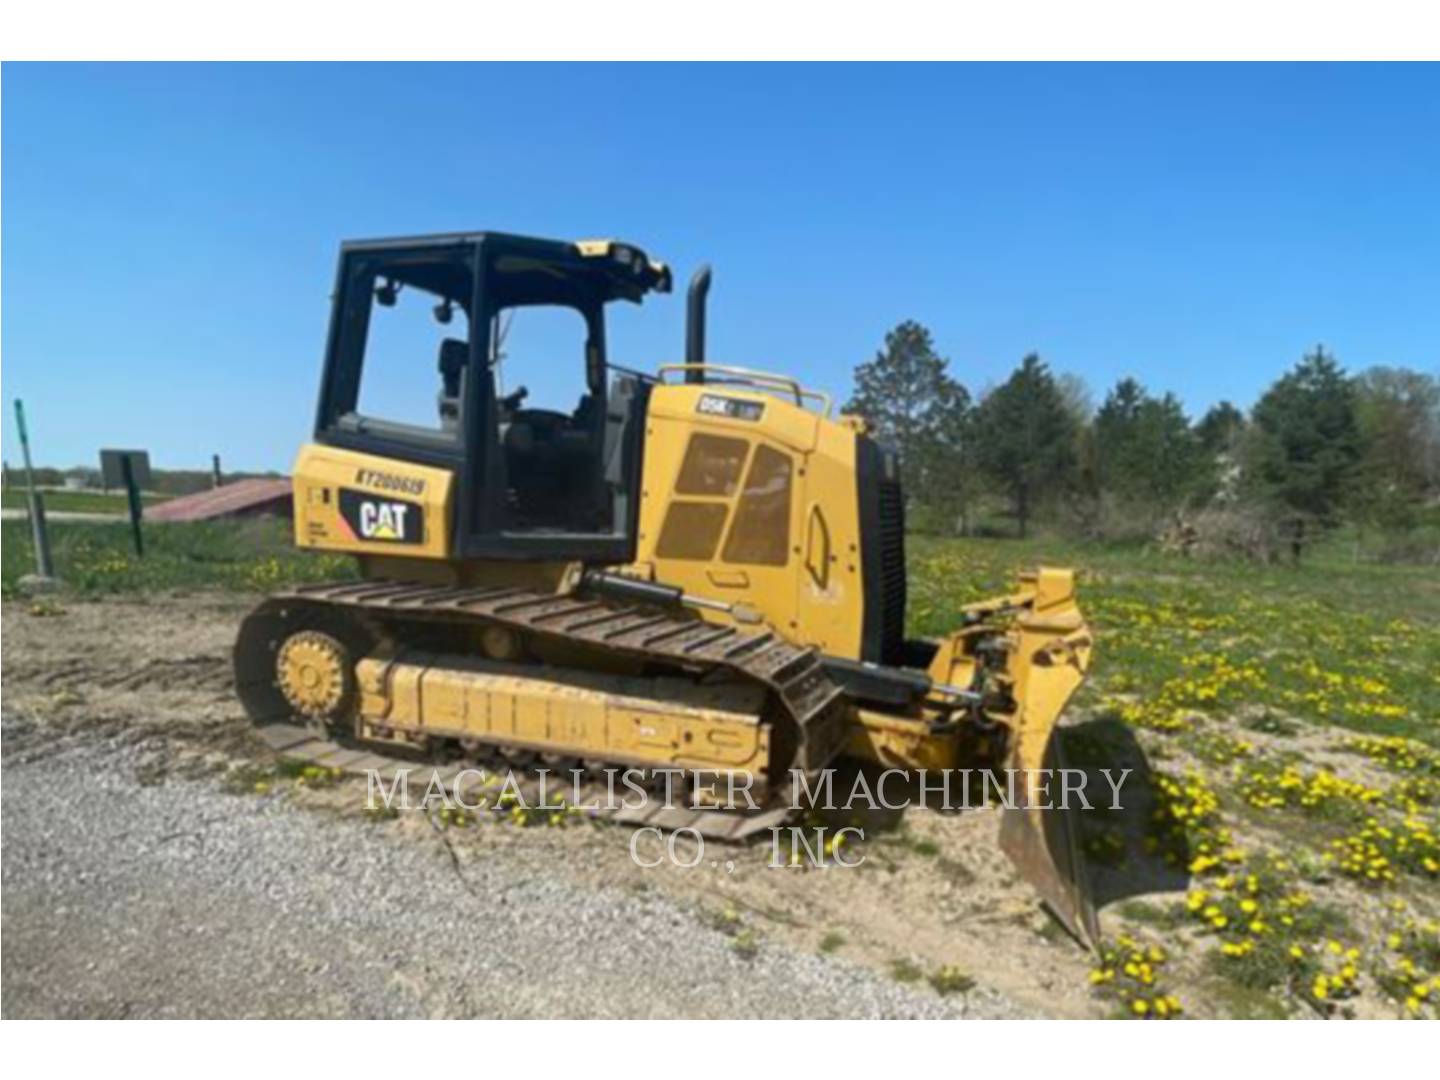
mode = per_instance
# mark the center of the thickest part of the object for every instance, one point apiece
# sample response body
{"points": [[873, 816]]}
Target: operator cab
{"points": [[429, 341]]}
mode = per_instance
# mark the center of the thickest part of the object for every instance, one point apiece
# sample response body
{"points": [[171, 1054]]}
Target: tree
{"points": [[1026, 437], [1398, 412], [1303, 448], [1220, 428], [1115, 426], [910, 402], [1145, 450], [1076, 395], [1221, 433], [897, 392], [946, 452]]}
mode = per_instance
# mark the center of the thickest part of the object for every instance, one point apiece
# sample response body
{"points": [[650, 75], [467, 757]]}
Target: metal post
{"points": [[215, 470], [44, 565], [132, 494]]}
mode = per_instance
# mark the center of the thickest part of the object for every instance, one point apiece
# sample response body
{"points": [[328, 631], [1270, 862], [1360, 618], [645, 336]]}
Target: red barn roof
{"points": [[243, 497]]}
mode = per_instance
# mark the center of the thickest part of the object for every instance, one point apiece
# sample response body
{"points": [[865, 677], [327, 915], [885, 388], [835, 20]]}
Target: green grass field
{"points": [[94, 558], [1351, 644], [76, 502]]}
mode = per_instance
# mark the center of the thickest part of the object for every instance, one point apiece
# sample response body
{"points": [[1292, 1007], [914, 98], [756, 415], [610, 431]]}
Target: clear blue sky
{"points": [[169, 232]]}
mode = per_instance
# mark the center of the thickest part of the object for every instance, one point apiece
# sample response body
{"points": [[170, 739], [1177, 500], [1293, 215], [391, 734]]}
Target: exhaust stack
{"points": [[695, 322]]}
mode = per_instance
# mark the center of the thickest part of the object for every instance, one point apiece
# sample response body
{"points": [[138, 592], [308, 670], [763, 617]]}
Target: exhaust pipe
{"points": [[695, 322]]}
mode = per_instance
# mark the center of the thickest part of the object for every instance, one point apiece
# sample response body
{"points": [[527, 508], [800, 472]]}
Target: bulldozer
{"points": [[700, 569]]}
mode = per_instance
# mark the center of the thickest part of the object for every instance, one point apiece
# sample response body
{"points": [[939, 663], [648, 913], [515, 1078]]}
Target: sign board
{"points": [[112, 468]]}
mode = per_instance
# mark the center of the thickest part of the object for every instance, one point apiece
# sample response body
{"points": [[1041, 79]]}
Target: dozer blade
{"points": [[1051, 655]]}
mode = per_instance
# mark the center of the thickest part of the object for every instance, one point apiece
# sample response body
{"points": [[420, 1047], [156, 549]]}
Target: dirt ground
{"points": [[934, 892]]}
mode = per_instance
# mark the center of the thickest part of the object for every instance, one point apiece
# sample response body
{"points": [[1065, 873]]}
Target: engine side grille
{"points": [[882, 551], [892, 569]]}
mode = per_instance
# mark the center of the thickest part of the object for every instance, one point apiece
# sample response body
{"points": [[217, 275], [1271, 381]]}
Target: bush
{"points": [[1237, 531], [1111, 519]]}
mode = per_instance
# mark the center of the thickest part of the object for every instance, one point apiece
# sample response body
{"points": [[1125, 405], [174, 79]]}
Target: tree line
{"points": [[1320, 448]]}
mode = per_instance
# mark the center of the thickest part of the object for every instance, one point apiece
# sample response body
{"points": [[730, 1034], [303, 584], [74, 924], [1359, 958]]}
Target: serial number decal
{"points": [[394, 521], [735, 409], [386, 481]]}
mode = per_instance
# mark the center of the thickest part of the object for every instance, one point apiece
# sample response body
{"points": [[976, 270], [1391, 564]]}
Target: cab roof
{"points": [[626, 271]]}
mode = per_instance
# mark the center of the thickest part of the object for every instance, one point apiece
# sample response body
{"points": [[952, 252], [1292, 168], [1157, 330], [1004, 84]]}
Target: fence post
{"points": [[132, 495], [44, 565]]}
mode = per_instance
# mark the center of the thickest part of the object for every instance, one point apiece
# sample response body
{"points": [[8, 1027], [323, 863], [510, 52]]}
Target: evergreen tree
{"points": [[1220, 434], [1115, 443], [1220, 428], [1145, 449], [911, 403], [1303, 448], [897, 392], [947, 465], [1026, 437]]}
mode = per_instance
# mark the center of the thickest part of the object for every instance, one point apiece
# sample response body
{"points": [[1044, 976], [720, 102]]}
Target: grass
{"points": [[94, 558], [1353, 645], [1310, 854], [952, 980], [905, 971], [61, 500]]}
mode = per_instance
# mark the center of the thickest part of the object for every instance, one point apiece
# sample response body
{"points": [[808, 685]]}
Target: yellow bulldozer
{"points": [[700, 569]]}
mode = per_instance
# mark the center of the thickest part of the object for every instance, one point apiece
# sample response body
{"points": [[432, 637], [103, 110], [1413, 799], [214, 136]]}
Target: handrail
{"points": [[761, 380]]}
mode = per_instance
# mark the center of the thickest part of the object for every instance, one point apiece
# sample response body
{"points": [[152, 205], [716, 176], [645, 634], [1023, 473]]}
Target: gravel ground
{"points": [[177, 899]]}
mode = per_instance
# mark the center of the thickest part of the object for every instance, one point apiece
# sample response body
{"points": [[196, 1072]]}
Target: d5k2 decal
{"points": [[372, 517]]}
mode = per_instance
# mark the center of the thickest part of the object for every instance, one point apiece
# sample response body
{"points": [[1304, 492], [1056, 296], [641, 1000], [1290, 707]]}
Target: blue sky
{"points": [[169, 232]]}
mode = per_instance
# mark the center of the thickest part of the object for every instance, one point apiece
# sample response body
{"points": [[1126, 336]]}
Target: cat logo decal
{"points": [[392, 521]]}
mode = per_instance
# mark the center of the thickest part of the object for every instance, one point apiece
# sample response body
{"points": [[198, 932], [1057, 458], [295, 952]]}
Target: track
{"points": [[472, 785], [810, 705]]}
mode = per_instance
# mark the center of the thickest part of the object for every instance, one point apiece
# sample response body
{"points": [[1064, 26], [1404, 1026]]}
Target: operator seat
{"points": [[454, 356]]}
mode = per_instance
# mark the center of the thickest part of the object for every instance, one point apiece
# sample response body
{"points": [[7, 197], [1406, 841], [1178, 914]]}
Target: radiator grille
{"points": [[882, 542], [892, 571]]}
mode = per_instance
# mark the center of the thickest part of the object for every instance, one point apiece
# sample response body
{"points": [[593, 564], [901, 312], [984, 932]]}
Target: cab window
{"points": [[415, 359], [401, 348]]}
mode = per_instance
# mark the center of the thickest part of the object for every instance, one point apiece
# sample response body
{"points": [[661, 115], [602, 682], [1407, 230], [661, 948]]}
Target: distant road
{"points": [[9, 514]]}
